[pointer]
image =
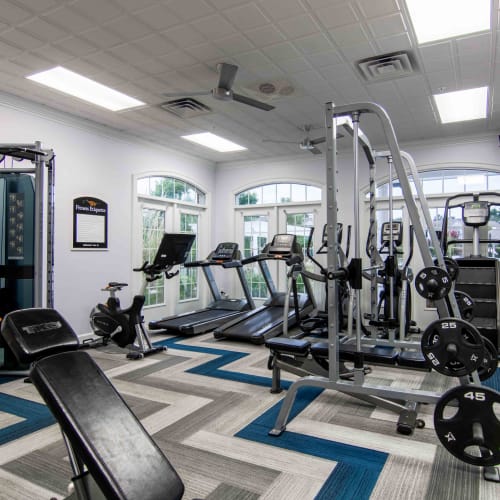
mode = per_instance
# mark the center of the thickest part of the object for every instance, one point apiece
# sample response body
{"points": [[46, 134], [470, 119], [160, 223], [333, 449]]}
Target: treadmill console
{"points": [[225, 251], [475, 213], [396, 228], [283, 244]]}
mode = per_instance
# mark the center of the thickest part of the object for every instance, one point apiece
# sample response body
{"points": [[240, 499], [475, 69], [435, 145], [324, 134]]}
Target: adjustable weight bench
{"points": [[111, 454]]}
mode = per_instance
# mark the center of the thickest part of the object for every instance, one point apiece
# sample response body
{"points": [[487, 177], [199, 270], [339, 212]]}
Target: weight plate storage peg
{"points": [[433, 283], [453, 347], [467, 426]]}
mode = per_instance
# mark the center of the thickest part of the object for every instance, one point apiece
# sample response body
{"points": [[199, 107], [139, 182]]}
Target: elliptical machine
{"points": [[125, 327]]}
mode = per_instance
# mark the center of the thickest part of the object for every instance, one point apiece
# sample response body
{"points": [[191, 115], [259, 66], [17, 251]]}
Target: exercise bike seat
{"points": [[115, 284], [120, 456]]}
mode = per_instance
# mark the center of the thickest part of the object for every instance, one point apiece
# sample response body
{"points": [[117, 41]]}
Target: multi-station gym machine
{"points": [[451, 345], [27, 173]]}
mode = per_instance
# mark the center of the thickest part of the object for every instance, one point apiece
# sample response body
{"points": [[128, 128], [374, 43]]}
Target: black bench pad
{"points": [[120, 455], [34, 333], [412, 359], [372, 354], [288, 346]]}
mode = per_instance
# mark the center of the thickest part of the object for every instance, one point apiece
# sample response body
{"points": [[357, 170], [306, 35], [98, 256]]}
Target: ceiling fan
{"points": [[306, 144], [224, 89]]}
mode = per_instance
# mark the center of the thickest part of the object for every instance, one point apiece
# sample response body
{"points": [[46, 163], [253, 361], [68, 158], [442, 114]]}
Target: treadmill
{"points": [[226, 255], [268, 320]]}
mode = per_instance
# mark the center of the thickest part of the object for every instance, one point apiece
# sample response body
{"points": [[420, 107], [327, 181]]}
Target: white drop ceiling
{"points": [[148, 47]]}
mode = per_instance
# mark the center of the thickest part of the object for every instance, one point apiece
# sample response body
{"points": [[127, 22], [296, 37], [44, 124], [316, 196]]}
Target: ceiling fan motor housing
{"points": [[222, 94]]}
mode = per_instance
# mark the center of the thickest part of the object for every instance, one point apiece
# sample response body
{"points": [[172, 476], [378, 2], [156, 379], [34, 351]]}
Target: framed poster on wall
{"points": [[90, 224]]}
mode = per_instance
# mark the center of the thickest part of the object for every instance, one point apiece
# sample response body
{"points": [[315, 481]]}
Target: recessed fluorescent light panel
{"points": [[71, 83], [438, 19], [213, 141], [462, 105]]}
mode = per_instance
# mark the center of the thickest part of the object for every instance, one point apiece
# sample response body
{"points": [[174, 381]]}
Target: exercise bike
{"points": [[125, 327]]}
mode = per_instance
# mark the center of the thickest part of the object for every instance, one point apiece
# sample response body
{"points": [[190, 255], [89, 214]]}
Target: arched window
{"points": [[170, 188], [269, 209], [278, 193], [169, 204]]}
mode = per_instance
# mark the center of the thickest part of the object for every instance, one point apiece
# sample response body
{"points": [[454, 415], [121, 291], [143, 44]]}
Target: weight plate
{"points": [[433, 283], [465, 304], [451, 267], [467, 425], [490, 360], [453, 347]]}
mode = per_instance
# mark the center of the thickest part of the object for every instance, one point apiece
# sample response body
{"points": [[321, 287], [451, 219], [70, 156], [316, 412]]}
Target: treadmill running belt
{"points": [[182, 322], [262, 321]]}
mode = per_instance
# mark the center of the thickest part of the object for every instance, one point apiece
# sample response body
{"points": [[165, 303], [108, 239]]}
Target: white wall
{"points": [[93, 161]]}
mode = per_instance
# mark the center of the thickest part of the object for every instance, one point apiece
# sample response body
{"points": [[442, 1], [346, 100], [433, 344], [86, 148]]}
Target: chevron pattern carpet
{"points": [[208, 406]]}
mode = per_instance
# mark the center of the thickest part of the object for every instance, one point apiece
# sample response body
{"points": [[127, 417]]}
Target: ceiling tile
{"points": [[128, 52], [43, 30], [437, 57], [154, 44], [234, 44], [226, 4], [158, 16], [313, 44], [246, 16], [188, 10], [475, 75], [474, 49], [336, 15], [299, 26], [293, 66], [69, 19], [318, 4], [322, 59], [184, 36], [253, 59], [38, 6], [178, 59], [266, 35], [130, 5], [281, 9], [99, 11], [205, 52], [346, 36], [76, 46], [214, 27], [128, 27], [412, 86], [334, 71], [281, 51], [442, 81], [394, 43], [8, 51], [377, 8], [12, 14], [151, 66], [20, 39], [103, 38], [387, 25]]}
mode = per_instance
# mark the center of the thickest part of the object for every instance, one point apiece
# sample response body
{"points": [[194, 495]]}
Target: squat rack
{"points": [[386, 397], [43, 227]]}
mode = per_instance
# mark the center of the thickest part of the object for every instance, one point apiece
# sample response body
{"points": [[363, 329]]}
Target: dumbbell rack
{"points": [[480, 278]]}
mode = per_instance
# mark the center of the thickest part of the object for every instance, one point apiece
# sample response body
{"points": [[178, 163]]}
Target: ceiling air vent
{"points": [[387, 66], [186, 107]]}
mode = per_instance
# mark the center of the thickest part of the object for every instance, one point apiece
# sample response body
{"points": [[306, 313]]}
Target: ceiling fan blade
{"points": [[279, 142], [319, 140], [186, 94], [252, 102], [227, 74], [315, 151]]}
